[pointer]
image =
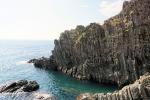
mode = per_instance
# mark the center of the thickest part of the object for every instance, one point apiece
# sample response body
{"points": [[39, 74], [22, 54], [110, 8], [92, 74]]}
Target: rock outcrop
{"points": [[44, 63], [117, 52], [19, 86], [140, 90], [23, 90]]}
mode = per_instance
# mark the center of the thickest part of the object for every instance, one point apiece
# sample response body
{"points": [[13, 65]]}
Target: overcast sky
{"points": [[46, 19]]}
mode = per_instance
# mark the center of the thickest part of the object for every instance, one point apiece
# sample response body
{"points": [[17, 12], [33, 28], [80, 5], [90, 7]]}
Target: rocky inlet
{"points": [[117, 52]]}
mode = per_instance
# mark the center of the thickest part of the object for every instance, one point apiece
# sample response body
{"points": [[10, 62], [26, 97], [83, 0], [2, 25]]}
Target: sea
{"points": [[14, 55]]}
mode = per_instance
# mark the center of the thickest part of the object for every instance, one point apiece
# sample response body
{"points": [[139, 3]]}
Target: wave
{"points": [[22, 62], [26, 96]]}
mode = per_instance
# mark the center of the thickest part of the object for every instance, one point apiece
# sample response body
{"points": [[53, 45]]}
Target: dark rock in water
{"points": [[140, 90], [45, 63], [31, 86], [23, 90], [20, 86]]}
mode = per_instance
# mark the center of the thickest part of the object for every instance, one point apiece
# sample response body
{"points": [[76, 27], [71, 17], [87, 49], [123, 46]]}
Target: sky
{"points": [[46, 19]]}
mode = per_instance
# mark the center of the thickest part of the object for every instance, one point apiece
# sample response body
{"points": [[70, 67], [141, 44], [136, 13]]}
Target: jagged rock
{"points": [[140, 90], [31, 86], [19, 86], [23, 90], [117, 52], [45, 63]]}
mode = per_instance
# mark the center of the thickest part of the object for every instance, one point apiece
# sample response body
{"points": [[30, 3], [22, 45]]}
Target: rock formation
{"points": [[19, 86], [140, 90], [117, 52], [44, 63], [23, 90]]}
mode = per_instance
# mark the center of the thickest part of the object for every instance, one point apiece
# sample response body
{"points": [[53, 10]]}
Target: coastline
{"points": [[114, 53]]}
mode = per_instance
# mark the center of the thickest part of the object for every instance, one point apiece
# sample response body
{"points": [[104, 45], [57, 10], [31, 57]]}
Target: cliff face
{"points": [[117, 52]]}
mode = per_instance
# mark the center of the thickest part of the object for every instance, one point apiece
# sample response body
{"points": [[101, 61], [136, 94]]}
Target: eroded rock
{"points": [[117, 52], [19, 86], [139, 90], [23, 90], [44, 63]]}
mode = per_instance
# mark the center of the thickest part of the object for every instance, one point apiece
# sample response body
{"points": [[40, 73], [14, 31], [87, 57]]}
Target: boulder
{"points": [[19, 86], [23, 90]]}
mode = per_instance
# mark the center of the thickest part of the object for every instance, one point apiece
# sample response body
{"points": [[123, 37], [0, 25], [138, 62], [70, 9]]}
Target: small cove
{"points": [[13, 66]]}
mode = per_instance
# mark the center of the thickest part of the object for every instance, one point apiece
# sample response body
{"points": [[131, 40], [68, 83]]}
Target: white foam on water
{"points": [[22, 62]]}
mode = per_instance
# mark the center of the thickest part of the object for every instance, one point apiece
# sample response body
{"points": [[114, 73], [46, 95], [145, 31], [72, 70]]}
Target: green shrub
{"points": [[80, 37]]}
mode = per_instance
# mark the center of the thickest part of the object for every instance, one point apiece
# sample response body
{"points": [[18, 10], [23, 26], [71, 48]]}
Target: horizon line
{"points": [[27, 39]]}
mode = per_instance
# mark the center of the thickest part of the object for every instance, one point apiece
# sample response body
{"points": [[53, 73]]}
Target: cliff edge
{"points": [[117, 52]]}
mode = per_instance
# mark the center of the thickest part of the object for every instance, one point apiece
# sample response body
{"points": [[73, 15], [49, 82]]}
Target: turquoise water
{"points": [[13, 66]]}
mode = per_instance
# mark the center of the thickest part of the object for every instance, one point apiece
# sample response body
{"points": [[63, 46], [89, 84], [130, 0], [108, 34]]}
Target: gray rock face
{"points": [[117, 52], [140, 90], [44, 63]]}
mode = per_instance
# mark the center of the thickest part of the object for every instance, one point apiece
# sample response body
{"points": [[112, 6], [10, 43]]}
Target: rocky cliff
{"points": [[140, 90], [117, 52]]}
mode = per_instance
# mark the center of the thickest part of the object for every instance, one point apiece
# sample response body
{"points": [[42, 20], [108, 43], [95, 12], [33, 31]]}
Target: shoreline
{"points": [[116, 52]]}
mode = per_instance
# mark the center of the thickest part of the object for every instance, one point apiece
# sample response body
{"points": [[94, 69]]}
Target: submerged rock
{"points": [[139, 90]]}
